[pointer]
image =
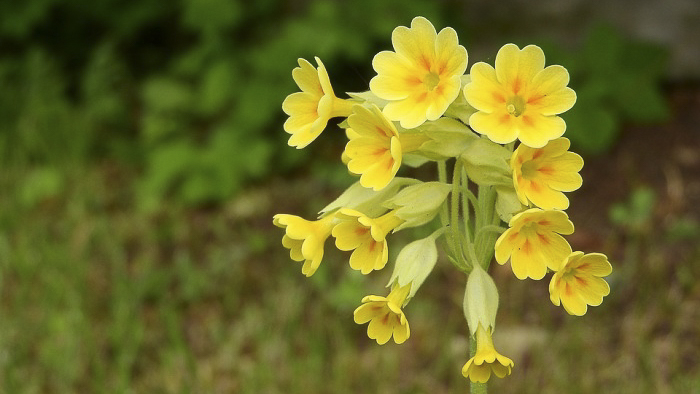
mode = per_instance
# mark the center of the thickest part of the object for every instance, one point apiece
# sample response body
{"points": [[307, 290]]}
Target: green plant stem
{"points": [[454, 215], [445, 215]]}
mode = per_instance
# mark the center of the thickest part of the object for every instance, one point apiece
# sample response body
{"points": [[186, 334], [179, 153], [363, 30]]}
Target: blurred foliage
{"points": [[616, 80], [635, 214], [188, 92]]}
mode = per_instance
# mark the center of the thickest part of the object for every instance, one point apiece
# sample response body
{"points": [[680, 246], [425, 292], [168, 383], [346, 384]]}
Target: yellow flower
{"points": [[305, 239], [486, 360], [385, 316], [422, 77], [541, 175], [365, 237], [532, 243], [520, 98], [375, 148], [310, 109], [579, 282]]}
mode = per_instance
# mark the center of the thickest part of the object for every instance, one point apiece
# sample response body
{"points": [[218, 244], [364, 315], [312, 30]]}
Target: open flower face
{"points": [[422, 77], [541, 175], [520, 98], [310, 109], [533, 244], [486, 360], [579, 282], [385, 317], [365, 237], [374, 150], [305, 239]]}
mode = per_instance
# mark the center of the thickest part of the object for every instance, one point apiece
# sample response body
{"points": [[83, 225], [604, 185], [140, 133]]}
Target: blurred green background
{"points": [[143, 156]]}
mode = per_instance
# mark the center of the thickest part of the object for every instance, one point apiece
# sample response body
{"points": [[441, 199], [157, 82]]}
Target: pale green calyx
{"points": [[367, 200], [480, 300], [507, 202], [415, 262], [418, 204], [486, 163], [447, 138]]}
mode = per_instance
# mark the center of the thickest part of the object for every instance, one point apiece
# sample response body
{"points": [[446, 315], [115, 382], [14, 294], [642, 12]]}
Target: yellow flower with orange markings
{"points": [[421, 78], [579, 282], [366, 237], [305, 239], [533, 242], [310, 109], [540, 175], [486, 360], [385, 317], [520, 98], [376, 148]]}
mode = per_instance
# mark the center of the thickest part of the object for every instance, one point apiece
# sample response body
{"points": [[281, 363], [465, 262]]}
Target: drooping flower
{"points": [[520, 98], [579, 282], [540, 175], [486, 360], [375, 148], [421, 78], [305, 239], [366, 237], [310, 109], [385, 317], [533, 244]]}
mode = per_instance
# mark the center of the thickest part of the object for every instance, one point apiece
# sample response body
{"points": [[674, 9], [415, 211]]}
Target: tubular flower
{"points": [[421, 78], [310, 109], [486, 360], [579, 282], [385, 317], [305, 239], [375, 148], [532, 242], [365, 237], [520, 98], [541, 175]]}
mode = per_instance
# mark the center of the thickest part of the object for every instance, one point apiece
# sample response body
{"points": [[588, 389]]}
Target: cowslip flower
{"points": [[520, 98], [310, 109], [305, 239], [385, 317], [533, 244], [540, 175], [421, 78], [579, 282], [365, 236], [376, 148], [486, 360]]}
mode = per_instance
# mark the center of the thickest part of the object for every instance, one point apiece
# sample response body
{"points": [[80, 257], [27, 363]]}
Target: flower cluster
{"points": [[501, 128]]}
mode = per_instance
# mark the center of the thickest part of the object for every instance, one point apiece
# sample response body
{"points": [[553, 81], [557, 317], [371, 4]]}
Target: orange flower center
{"points": [[431, 80], [515, 105]]}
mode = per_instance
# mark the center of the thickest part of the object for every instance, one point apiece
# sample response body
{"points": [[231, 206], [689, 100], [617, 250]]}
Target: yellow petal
{"points": [[515, 68], [368, 311], [397, 77], [535, 130], [306, 77], [450, 57], [594, 264], [549, 94], [498, 126], [379, 331], [349, 235], [544, 197], [410, 112], [416, 43], [484, 92]]}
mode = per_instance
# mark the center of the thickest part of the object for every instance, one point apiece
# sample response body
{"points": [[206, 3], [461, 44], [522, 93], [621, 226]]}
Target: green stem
{"points": [[454, 215], [445, 216]]}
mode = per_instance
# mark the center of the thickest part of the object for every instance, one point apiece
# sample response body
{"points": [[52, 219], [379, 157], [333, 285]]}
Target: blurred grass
{"points": [[100, 297], [142, 160]]}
